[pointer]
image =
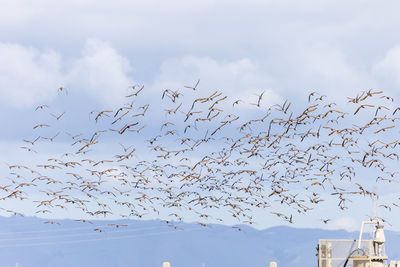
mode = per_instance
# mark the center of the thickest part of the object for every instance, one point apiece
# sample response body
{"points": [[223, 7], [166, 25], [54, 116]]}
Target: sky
{"points": [[97, 49]]}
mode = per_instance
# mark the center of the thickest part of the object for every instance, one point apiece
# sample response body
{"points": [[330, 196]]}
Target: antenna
{"points": [[375, 211]]}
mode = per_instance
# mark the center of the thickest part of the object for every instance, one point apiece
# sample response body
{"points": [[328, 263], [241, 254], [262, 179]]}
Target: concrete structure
{"points": [[355, 253]]}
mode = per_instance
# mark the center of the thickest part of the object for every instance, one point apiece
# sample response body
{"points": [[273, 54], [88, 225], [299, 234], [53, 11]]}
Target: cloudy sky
{"points": [[97, 49]]}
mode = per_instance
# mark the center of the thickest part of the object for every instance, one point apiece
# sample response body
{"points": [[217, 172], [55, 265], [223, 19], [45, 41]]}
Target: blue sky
{"points": [[97, 49]]}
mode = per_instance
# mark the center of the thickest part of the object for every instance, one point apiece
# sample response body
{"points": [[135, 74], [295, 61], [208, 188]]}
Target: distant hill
{"points": [[32, 243]]}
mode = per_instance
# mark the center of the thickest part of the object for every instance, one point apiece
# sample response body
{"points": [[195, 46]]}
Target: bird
{"points": [[259, 98], [208, 156], [32, 142], [58, 117], [62, 89], [236, 102], [362, 107], [100, 114], [195, 86], [41, 126], [41, 107], [137, 92]]}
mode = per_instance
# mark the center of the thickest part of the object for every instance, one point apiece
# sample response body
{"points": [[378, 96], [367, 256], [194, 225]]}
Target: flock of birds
{"points": [[206, 156]]}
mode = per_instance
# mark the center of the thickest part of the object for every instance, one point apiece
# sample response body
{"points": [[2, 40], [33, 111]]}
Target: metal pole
{"points": [[362, 229], [359, 238]]}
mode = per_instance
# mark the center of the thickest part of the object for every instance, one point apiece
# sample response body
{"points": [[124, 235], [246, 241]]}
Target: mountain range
{"points": [[34, 242]]}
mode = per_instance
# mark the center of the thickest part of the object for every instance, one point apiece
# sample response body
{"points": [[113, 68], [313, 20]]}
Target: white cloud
{"points": [[302, 46], [240, 79], [328, 63], [388, 69], [102, 72], [15, 11], [329, 70], [27, 75]]}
